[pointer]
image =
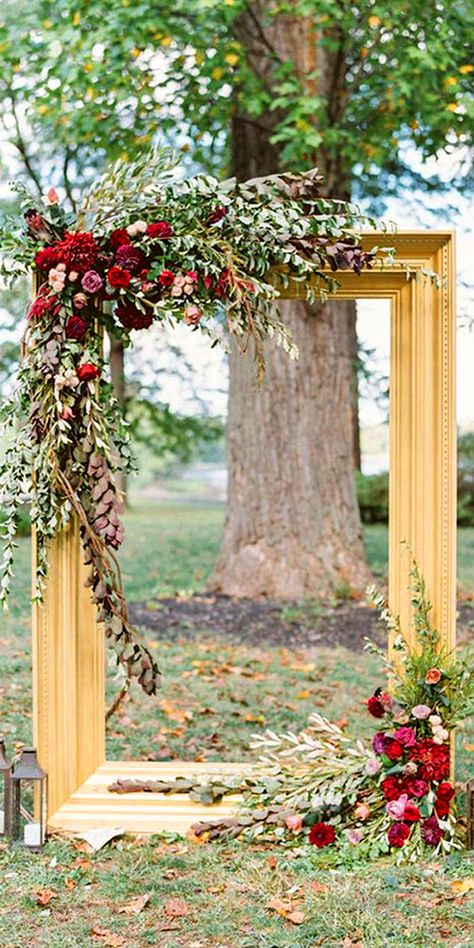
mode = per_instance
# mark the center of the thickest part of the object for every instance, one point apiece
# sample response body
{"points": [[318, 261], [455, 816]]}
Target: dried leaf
{"points": [[463, 885], [43, 896], [176, 908], [287, 910], [135, 906], [107, 938]]}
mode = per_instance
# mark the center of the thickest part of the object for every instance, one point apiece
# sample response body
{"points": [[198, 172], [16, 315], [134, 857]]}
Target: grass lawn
{"points": [[214, 697]]}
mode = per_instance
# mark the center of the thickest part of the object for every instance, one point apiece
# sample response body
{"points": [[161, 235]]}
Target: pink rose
{"points": [[192, 314], [421, 711], [79, 300], [396, 808], [294, 822], [372, 766], [92, 282], [362, 811], [405, 736]]}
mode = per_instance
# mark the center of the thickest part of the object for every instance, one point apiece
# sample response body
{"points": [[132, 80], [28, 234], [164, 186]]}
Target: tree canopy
{"points": [[106, 77]]}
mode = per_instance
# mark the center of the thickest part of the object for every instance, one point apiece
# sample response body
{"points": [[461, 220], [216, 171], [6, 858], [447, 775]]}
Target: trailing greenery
{"points": [[147, 245]]}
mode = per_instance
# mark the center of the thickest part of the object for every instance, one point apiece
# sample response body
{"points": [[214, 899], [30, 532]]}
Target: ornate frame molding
{"points": [[68, 647]]}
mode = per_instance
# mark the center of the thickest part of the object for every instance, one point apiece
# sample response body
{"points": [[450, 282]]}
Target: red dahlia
{"points": [[117, 276], [79, 252], [393, 787], [322, 834], [132, 318], [130, 258], [433, 759], [76, 327], [398, 834], [48, 257], [431, 831]]}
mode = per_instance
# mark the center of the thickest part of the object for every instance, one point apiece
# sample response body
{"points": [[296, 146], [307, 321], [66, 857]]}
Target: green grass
{"points": [[214, 697]]}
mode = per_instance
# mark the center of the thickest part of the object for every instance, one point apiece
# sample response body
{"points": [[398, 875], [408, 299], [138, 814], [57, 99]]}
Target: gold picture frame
{"points": [[68, 645]]}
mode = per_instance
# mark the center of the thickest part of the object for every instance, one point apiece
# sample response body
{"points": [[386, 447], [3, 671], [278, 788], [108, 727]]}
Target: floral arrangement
{"points": [[146, 247], [327, 789]]}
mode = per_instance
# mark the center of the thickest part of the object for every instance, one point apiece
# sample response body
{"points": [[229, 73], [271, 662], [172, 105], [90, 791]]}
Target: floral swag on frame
{"points": [[146, 247]]}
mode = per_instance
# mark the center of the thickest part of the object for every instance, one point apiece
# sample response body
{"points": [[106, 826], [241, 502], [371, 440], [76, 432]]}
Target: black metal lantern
{"points": [[29, 800], [5, 792]]}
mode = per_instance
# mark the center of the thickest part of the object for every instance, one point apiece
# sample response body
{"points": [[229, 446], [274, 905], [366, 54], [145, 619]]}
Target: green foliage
{"points": [[129, 73], [466, 479], [372, 496], [372, 489]]}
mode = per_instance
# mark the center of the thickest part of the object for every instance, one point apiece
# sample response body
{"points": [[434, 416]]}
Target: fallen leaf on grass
{"points": [[176, 908], [316, 886], [135, 906], [287, 910], [463, 885], [176, 714], [272, 862], [70, 884], [43, 897], [107, 938]]}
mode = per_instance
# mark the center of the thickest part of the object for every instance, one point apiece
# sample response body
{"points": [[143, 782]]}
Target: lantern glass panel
{"points": [[29, 800]]}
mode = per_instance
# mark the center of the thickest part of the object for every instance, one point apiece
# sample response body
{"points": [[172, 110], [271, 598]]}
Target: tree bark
{"points": [[293, 527]]}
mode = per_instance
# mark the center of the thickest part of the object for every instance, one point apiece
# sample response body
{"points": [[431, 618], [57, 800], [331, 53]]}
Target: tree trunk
{"points": [[293, 527], [117, 376]]}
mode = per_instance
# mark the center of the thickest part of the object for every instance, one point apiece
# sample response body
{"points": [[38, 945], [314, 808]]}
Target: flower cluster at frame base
{"points": [[408, 797]]}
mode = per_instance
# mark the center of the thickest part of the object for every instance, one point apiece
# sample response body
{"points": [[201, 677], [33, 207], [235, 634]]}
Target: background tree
{"points": [[365, 89]]}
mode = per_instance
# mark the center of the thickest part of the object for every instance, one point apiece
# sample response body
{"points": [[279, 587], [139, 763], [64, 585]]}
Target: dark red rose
{"points": [[87, 372], [394, 750], [217, 214], [393, 787], [322, 834], [132, 318], [166, 278], [442, 808], [130, 258], [117, 276], [48, 257], [411, 813], [431, 831], [160, 230], [118, 238], [398, 834], [375, 707], [76, 327], [433, 759], [417, 788], [445, 792]]}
